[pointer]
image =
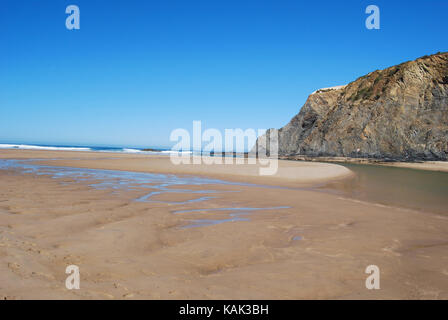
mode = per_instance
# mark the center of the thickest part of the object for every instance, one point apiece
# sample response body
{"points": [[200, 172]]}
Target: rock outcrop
{"points": [[400, 113]]}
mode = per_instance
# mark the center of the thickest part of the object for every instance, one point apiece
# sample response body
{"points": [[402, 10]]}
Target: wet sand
{"points": [[135, 236]]}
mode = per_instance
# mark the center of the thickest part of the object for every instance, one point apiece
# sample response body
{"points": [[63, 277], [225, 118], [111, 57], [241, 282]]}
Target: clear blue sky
{"points": [[138, 69]]}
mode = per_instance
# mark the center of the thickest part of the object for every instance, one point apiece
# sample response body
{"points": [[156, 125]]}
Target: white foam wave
{"points": [[127, 150], [31, 147]]}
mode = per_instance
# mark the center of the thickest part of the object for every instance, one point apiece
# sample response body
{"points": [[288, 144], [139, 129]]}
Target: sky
{"points": [[136, 70]]}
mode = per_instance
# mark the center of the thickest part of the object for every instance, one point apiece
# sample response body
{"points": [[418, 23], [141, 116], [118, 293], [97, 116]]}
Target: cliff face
{"points": [[399, 113]]}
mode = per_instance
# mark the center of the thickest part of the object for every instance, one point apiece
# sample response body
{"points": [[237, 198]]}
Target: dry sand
{"points": [[319, 247]]}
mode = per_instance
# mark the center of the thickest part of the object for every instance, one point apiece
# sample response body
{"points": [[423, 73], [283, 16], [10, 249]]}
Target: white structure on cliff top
{"points": [[329, 88]]}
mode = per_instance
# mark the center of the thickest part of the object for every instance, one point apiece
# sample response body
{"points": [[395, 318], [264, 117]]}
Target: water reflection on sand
{"points": [[158, 184]]}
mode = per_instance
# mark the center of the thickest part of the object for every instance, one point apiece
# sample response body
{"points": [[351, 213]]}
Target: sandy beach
{"points": [[426, 165], [290, 173], [440, 166], [181, 232]]}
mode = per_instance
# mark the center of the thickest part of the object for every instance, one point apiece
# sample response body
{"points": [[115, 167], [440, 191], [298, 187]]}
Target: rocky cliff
{"points": [[400, 113]]}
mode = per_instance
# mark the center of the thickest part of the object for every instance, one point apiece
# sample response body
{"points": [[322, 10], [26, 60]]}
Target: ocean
{"points": [[84, 148]]}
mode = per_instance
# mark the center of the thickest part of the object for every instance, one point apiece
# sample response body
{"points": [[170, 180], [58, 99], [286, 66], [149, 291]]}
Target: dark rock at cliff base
{"points": [[399, 113]]}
